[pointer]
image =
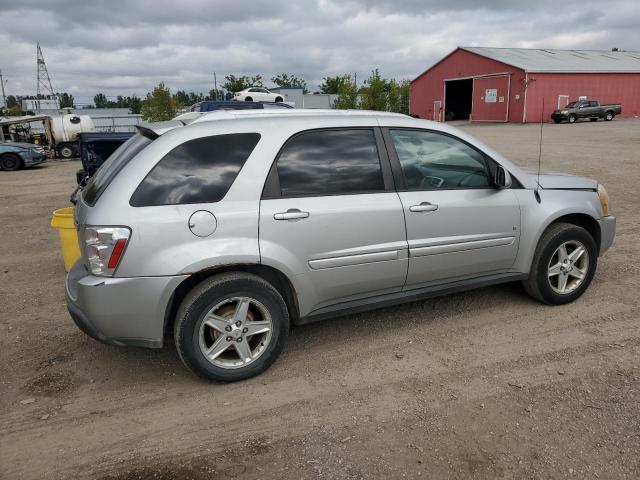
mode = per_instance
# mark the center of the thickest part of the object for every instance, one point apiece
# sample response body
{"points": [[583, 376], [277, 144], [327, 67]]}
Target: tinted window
{"points": [[198, 171], [434, 161], [330, 162], [109, 169]]}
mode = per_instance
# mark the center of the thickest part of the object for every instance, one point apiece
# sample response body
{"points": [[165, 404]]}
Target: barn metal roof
{"points": [[549, 60]]}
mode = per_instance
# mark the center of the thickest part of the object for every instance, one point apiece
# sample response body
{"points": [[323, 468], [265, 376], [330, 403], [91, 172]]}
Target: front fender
{"points": [[554, 204]]}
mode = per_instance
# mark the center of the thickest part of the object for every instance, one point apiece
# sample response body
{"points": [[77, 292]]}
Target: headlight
{"points": [[104, 247], [564, 112], [604, 200]]}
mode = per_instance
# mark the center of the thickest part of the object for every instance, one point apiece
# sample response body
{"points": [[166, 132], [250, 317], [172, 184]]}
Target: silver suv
{"points": [[226, 228]]}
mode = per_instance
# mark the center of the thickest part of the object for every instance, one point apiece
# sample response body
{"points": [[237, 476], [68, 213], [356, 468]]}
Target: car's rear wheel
{"points": [[563, 265], [248, 99], [11, 162], [278, 99], [609, 116], [572, 118], [231, 327], [557, 120]]}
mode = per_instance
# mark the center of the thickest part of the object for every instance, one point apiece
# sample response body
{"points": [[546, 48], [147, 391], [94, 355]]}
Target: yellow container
{"points": [[62, 220]]}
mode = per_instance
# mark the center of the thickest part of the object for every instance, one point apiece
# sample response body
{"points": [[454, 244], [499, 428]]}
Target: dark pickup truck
{"points": [[590, 109]]}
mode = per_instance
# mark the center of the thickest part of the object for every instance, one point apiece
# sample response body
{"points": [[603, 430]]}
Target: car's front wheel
{"points": [[248, 99], [11, 162], [563, 265], [278, 99], [572, 118], [231, 327]]}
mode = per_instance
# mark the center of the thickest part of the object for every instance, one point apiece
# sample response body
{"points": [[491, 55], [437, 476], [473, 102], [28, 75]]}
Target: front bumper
{"points": [[35, 160], [607, 232], [120, 311], [559, 116]]}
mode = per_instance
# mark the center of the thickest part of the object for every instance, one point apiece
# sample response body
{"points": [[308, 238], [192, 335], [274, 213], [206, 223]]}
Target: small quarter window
{"points": [[330, 162], [198, 171]]}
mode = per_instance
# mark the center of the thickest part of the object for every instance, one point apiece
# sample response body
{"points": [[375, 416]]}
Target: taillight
{"points": [[104, 248]]}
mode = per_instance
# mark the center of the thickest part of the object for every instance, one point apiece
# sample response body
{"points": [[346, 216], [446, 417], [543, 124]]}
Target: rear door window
{"points": [[109, 169], [330, 162], [199, 171]]}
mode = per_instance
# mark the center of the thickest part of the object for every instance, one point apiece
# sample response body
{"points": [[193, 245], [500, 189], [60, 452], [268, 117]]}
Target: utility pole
{"points": [[3, 82], [215, 85]]}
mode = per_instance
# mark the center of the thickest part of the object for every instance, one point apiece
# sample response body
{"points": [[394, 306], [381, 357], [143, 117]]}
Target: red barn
{"points": [[509, 84]]}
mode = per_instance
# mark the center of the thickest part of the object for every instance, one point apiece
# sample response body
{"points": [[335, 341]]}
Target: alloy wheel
{"points": [[235, 332], [568, 267]]}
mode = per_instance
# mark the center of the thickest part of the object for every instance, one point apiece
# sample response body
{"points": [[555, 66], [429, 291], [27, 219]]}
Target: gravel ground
{"points": [[485, 384]]}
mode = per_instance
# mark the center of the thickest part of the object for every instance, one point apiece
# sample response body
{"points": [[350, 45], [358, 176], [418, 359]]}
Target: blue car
{"points": [[15, 156]]}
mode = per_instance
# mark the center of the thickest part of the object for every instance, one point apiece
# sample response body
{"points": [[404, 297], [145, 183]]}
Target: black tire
{"points": [[65, 151], [206, 296], [248, 99], [278, 99], [11, 162], [592, 119], [538, 284], [572, 118], [608, 116]]}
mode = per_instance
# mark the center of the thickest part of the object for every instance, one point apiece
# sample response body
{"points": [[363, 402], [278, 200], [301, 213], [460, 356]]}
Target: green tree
{"points": [[334, 85], [100, 100], [66, 100], [374, 93], [13, 107], [285, 80], [347, 97], [217, 95], [181, 98], [133, 103], [235, 84], [159, 105]]}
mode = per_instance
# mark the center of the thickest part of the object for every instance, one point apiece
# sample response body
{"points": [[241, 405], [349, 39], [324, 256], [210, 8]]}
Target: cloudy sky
{"points": [[127, 46]]}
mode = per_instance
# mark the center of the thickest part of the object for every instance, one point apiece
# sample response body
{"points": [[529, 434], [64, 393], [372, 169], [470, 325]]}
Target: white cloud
{"points": [[124, 47]]}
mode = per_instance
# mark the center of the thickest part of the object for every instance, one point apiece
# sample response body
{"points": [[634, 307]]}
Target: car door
{"points": [[458, 224], [331, 219]]}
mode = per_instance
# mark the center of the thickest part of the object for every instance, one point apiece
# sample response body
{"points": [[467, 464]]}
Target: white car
{"points": [[257, 94]]}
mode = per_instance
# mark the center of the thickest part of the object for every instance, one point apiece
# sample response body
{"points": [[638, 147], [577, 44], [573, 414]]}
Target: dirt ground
{"points": [[485, 384]]}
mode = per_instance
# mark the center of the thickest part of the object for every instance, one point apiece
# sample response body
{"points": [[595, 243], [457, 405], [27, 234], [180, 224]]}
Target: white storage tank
{"points": [[65, 128]]}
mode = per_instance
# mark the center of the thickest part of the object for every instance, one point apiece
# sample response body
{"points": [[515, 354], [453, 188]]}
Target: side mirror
{"points": [[502, 179]]}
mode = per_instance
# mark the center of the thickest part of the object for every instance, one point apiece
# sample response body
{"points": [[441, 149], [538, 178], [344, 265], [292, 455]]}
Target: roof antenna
{"points": [[536, 192]]}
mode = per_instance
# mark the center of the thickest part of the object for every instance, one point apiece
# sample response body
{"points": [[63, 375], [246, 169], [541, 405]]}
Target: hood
{"points": [[21, 145], [560, 181]]}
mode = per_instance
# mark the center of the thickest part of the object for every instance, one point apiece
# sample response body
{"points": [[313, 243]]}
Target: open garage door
{"points": [[490, 102]]}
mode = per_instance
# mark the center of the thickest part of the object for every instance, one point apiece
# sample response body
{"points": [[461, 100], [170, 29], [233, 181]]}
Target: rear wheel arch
{"points": [[273, 276]]}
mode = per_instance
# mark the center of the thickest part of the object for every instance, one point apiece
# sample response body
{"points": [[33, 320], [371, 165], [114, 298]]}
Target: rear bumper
{"points": [[120, 311], [607, 232]]}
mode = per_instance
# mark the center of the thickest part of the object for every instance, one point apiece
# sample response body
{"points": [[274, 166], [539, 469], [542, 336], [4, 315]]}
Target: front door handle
{"points": [[291, 214], [424, 207]]}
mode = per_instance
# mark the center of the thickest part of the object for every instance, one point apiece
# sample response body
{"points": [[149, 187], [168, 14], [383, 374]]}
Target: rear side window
{"points": [[109, 169], [330, 162], [198, 171]]}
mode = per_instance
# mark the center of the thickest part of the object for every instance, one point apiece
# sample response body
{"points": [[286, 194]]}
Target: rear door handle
{"points": [[424, 207], [291, 214]]}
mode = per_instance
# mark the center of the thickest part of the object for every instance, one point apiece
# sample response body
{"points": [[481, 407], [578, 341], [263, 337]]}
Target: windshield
{"points": [[571, 105], [109, 169]]}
